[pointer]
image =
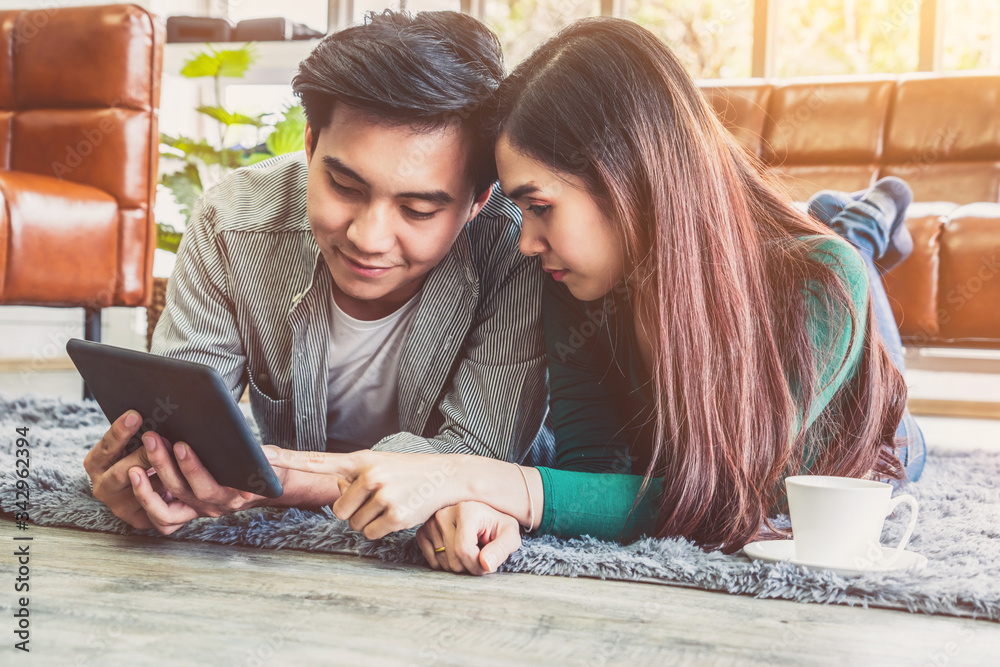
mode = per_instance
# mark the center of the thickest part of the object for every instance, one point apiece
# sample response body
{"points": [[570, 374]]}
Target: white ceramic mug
{"points": [[837, 521]]}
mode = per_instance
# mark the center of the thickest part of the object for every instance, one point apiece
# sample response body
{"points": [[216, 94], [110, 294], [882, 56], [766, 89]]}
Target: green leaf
{"points": [[231, 63], [228, 118], [288, 135], [167, 238], [185, 185], [189, 150]]}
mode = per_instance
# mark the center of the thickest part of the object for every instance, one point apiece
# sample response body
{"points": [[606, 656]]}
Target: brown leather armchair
{"points": [[79, 94], [939, 132]]}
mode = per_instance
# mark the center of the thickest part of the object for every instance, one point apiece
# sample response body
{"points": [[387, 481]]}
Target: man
{"points": [[370, 292]]}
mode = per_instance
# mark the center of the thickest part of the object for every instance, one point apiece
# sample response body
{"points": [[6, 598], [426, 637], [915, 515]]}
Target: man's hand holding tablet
{"points": [[108, 471], [197, 455], [149, 488]]}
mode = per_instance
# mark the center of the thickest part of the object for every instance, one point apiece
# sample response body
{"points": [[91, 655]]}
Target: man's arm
{"points": [[192, 327], [497, 398], [199, 323]]}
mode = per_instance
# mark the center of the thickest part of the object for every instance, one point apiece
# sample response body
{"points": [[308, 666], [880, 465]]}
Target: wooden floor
{"points": [[100, 599]]}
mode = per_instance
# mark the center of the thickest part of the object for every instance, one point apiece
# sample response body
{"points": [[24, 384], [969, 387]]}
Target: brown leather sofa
{"points": [[939, 132], [79, 93]]}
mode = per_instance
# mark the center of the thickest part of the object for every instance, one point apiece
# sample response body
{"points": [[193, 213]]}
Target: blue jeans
{"points": [[913, 452]]}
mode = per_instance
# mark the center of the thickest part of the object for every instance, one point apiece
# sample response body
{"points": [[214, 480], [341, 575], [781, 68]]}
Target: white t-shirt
{"points": [[363, 370]]}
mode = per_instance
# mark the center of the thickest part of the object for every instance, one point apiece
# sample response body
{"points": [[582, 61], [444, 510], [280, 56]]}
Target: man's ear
{"points": [[309, 143], [480, 202]]}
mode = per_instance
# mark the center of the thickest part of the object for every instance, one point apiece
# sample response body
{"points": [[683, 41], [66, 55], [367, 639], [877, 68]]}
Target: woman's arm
{"points": [[476, 538], [386, 491], [598, 504]]}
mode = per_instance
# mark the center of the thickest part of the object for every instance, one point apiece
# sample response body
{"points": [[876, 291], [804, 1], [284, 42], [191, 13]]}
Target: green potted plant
{"points": [[191, 166]]}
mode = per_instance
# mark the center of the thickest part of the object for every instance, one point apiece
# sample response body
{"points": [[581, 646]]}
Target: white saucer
{"points": [[774, 551]]}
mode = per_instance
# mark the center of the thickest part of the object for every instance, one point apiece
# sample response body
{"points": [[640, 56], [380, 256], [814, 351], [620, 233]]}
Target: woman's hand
{"points": [[475, 538], [382, 492]]}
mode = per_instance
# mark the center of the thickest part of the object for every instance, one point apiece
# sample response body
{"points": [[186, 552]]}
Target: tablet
{"points": [[180, 400]]}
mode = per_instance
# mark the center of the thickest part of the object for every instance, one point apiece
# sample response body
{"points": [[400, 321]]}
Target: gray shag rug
{"points": [[958, 530]]}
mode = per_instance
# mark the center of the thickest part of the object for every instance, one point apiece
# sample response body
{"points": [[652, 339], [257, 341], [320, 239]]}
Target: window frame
{"points": [[765, 12]]}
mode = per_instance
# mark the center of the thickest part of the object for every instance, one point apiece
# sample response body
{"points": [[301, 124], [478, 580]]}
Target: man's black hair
{"points": [[427, 70]]}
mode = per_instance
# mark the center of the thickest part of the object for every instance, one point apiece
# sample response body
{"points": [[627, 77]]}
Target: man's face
{"points": [[385, 204]]}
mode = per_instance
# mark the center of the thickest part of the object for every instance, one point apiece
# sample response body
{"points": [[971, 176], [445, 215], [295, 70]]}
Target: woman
{"points": [[701, 331]]}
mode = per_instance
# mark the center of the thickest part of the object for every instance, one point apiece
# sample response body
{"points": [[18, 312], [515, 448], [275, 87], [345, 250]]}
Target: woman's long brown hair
{"points": [[718, 277]]}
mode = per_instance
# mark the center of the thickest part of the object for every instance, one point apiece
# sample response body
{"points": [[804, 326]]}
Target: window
{"points": [[362, 7], [971, 35], [713, 38], [846, 36], [414, 6], [523, 25]]}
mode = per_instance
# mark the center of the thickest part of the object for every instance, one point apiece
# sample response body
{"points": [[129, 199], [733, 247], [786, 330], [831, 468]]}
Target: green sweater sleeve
{"points": [[598, 504]]}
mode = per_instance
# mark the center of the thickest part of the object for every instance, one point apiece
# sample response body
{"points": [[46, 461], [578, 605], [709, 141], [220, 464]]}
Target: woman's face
{"points": [[562, 223]]}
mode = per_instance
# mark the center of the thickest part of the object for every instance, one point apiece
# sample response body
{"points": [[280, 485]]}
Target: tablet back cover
{"points": [[180, 400]]}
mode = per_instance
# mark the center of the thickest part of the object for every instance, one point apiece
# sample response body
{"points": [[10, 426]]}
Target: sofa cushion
{"points": [[62, 239], [742, 110], [912, 286], [803, 181], [836, 122], [943, 136], [969, 300], [935, 180]]}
